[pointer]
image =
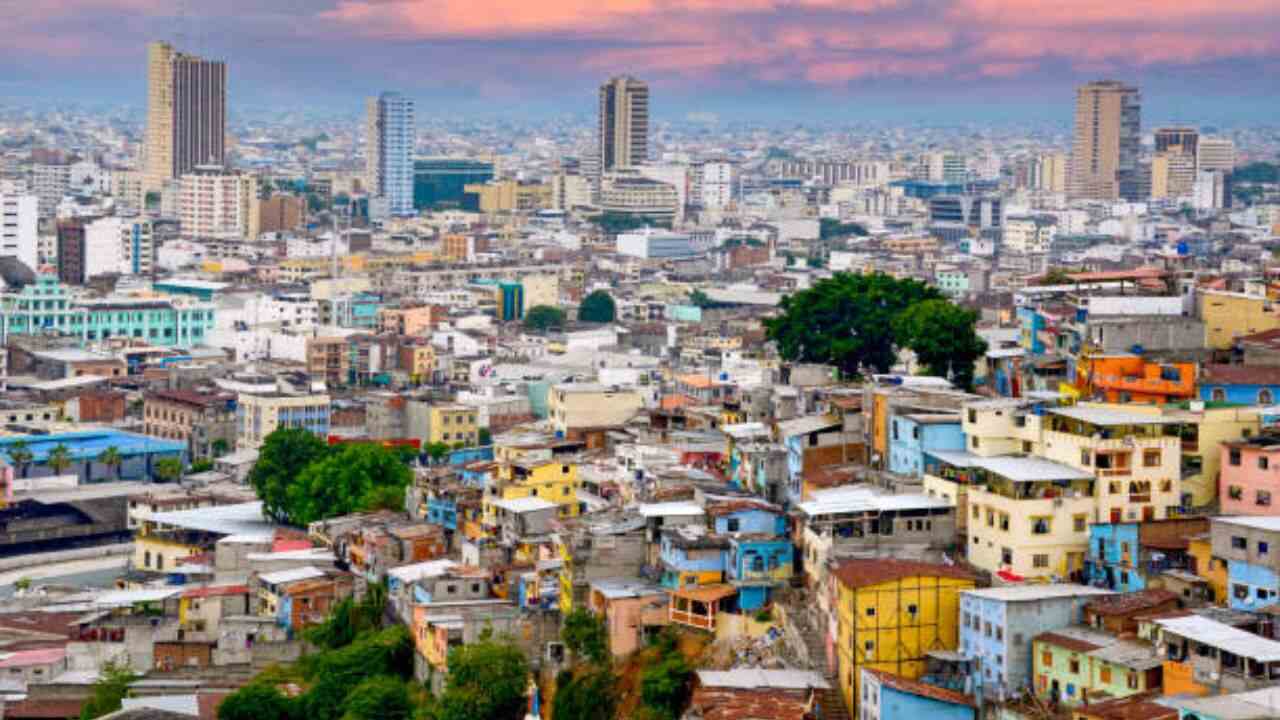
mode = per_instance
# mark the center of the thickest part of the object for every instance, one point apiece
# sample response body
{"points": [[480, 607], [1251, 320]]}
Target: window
{"points": [[1086, 457], [1263, 548], [1235, 492], [1234, 457], [871, 612], [1218, 395], [1239, 543], [975, 441], [1105, 675], [733, 524], [1264, 497], [1265, 397], [1041, 525], [1151, 458], [1133, 681], [1075, 666], [1006, 556], [911, 609], [1080, 523], [1040, 561], [1263, 463], [973, 416], [986, 628], [1240, 592]]}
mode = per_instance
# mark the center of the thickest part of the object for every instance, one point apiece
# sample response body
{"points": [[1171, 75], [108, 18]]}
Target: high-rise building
{"points": [[1216, 154], [186, 114], [88, 248], [1104, 156], [1177, 139], [624, 123], [18, 218], [219, 203], [1173, 173], [390, 138], [441, 182]]}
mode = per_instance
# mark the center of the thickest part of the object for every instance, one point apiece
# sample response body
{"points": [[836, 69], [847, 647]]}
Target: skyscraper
{"points": [[1216, 154], [1179, 139], [624, 123], [186, 114], [390, 138], [1104, 156]]}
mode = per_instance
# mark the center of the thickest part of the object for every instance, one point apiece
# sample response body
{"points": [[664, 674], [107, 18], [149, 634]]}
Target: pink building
{"points": [[1250, 477], [633, 610]]}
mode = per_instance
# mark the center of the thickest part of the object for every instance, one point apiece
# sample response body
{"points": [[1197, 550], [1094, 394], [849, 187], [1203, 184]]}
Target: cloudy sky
{"points": [[776, 58]]}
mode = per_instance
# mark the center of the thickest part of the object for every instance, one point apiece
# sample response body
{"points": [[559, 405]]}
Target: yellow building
{"points": [[160, 551], [452, 424], [1212, 569], [1045, 476], [510, 195], [259, 415], [1230, 315], [1202, 432], [551, 480], [891, 614]]}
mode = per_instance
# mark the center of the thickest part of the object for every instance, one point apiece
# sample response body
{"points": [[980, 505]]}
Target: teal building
{"points": [[49, 307], [439, 183]]}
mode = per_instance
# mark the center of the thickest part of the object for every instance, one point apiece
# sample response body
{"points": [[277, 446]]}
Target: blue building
{"points": [[886, 696], [756, 565], [1113, 548], [1240, 384], [1251, 586], [138, 454], [910, 436], [443, 511], [749, 517], [391, 140], [1031, 323], [690, 557], [997, 625]]}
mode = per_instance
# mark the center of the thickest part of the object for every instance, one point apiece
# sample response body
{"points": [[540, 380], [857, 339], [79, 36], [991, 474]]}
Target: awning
{"points": [[706, 593]]}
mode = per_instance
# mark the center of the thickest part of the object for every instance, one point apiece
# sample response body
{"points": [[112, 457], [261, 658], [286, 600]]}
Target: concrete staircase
{"points": [[831, 700]]}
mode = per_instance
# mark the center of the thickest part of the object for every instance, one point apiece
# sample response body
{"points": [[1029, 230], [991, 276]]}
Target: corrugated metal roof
{"points": [[1223, 637], [1030, 469], [1109, 416], [754, 678]]}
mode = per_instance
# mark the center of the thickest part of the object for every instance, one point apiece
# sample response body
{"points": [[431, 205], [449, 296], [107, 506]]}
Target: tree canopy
{"points": [[943, 337], [846, 320], [585, 635], [664, 684], [255, 701], [358, 476], [381, 697], [284, 455], [593, 695], [544, 317], [598, 307], [829, 228], [487, 681]]}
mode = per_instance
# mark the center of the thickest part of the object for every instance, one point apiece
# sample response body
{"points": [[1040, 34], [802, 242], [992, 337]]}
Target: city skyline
{"points": [[965, 58]]}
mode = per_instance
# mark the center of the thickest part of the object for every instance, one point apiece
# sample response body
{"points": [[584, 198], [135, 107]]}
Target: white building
{"points": [[391, 136], [218, 203], [118, 245], [715, 185], [651, 243], [1215, 154], [18, 219], [1029, 234], [1209, 191]]}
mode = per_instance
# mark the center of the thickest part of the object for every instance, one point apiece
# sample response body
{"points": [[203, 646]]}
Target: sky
{"points": [[1208, 60]]}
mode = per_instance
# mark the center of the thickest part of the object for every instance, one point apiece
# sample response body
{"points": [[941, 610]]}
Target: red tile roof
{"points": [[1240, 375], [1132, 602], [46, 709], [755, 703], [1066, 641], [915, 687], [861, 573]]}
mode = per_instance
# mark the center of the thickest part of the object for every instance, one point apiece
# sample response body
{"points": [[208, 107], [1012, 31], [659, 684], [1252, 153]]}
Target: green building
{"points": [[48, 307], [439, 183]]}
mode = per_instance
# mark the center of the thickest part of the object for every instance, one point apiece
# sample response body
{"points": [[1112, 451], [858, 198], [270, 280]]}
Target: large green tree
{"points": [[544, 317], [359, 476], [943, 336], [255, 701], [284, 455], [664, 683], [487, 681], [334, 674], [846, 320], [584, 634], [598, 307], [381, 697], [592, 695]]}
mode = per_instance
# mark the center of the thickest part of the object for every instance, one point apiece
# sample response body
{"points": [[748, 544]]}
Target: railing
{"points": [[692, 619], [1143, 498], [1115, 472]]}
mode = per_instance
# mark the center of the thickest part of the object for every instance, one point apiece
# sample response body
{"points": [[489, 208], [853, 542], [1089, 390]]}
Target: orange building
{"points": [[1131, 378]]}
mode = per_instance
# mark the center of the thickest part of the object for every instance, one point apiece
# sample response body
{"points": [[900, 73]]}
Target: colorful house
{"points": [[891, 615], [633, 611], [1075, 665], [912, 435], [691, 556], [1253, 570], [1126, 557], [1134, 379], [1206, 657], [1250, 479], [886, 696], [1240, 384], [756, 565]]}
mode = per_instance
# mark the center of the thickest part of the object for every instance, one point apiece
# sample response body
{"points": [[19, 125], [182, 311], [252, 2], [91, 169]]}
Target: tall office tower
{"points": [[18, 218], [1173, 173], [1104, 156], [1216, 154], [624, 123], [186, 114], [1177, 139], [390, 141]]}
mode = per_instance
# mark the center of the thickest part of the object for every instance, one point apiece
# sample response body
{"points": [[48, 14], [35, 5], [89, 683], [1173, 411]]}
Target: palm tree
{"points": [[20, 454], [168, 469], [59, 458], [112, 458]]}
